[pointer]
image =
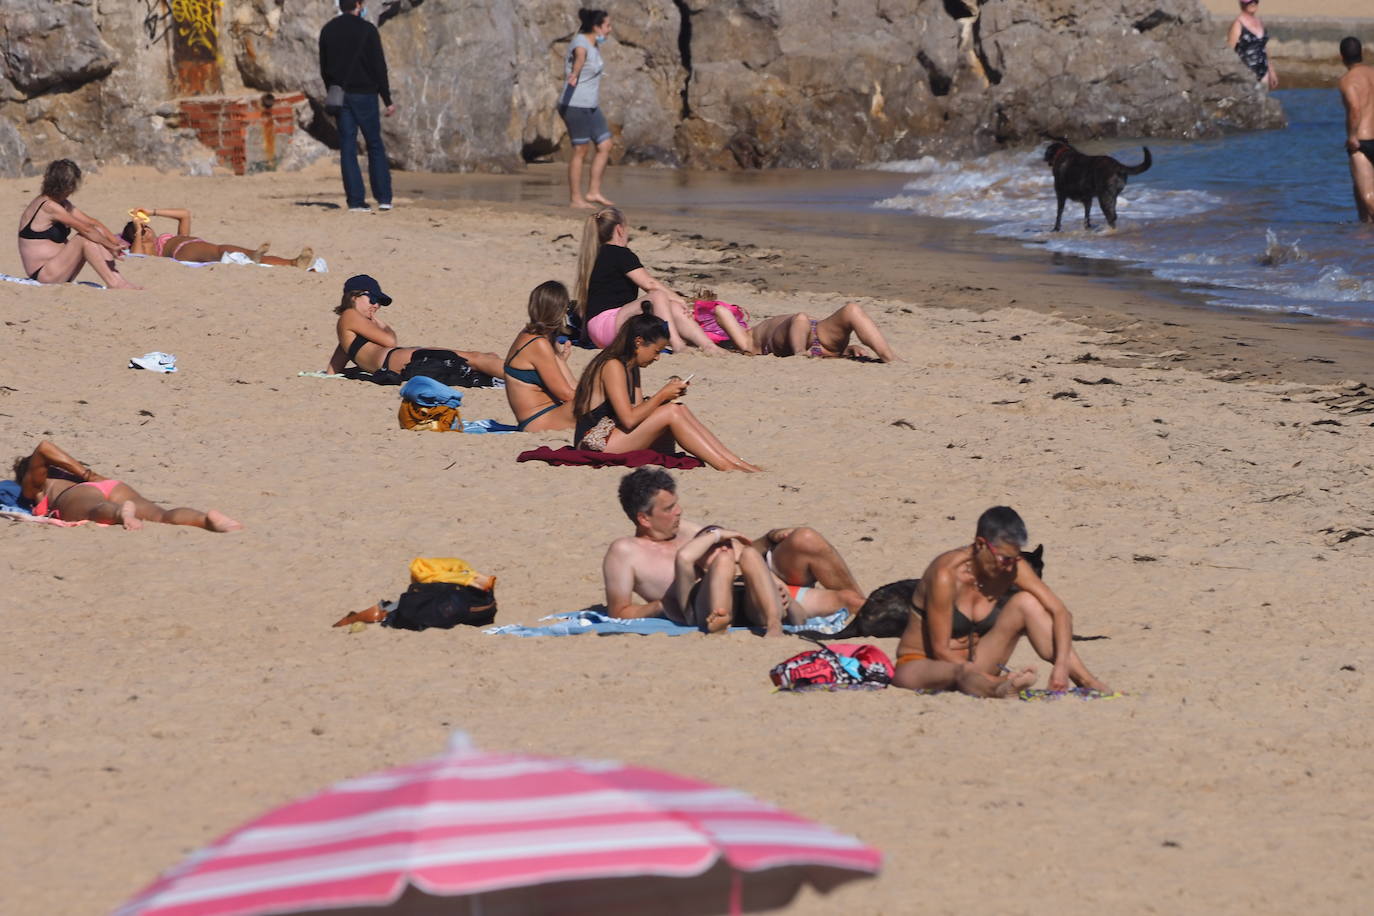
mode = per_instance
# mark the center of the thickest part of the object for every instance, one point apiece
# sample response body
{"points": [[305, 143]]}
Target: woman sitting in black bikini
{"points": [[369, 342], [50, 254], [613, 415], [539, 384]]}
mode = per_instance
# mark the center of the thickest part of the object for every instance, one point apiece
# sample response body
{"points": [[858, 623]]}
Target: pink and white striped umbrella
{"points": [[497, 834]]}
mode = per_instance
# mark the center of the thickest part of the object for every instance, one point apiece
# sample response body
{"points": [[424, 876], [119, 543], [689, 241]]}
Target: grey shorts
{"points": [[585, 125]]}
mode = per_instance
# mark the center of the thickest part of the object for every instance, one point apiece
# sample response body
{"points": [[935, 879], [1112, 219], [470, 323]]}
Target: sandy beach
{"points": [[1199, 480]]}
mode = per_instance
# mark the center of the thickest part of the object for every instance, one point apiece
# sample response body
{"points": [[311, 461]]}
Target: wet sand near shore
{"points": [[163, 686], [770, 243]]}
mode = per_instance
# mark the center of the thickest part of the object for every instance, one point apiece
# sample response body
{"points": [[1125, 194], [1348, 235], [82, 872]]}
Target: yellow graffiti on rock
{"points": [[196, 22]]}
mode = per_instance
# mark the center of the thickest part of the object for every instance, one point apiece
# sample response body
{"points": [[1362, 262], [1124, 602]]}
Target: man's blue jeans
{"points": [[360, 111]]}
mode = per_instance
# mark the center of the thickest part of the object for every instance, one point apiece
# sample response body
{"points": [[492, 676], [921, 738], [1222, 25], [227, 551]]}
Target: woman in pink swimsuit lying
{"points": [[183, 246], [58, 486]]}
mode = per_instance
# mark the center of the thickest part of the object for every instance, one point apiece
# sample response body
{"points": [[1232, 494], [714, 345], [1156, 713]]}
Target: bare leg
{"points": [[713, 609], [1039, 625], [743, 341], [798, 334], [932, 674], [575, 198], [1362, 175], [740, 463], [489, 363], [763, 605], [102, 262], [804, 557], [834, 332], [681, 326], [676, 419], [599, 160]]}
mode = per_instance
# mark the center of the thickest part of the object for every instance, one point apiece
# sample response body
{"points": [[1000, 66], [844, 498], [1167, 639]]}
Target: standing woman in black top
{"points": [[47, 250], [351, 56], [609, 279]]}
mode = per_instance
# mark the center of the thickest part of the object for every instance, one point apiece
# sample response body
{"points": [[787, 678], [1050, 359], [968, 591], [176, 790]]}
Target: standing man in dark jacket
{"points": [[351, 56]]}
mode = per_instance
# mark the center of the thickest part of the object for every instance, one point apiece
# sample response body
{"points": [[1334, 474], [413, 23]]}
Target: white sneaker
{"points": [[384, 206], [362, 209]]}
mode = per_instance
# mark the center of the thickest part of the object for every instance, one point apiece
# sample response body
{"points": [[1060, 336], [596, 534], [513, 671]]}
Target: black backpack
{"points": [[443, 605], [446, 368]]}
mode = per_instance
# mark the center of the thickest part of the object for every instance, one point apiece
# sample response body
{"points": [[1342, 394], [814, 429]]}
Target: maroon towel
{"points": [[567, 455]]}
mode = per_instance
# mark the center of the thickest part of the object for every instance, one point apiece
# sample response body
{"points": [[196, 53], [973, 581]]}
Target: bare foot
{"points": [[775, 630], [718, 621], [1015, 682], [120, 283], [368, 615], [128, 516], [582, 205], [218, 521], [1092, 683], [600, 199], [258, 252], [305, 258], [748, 468]]}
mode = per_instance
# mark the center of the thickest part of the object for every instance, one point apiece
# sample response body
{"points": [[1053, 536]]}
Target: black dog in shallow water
{"points": [[887, 610], [1084, 178]]}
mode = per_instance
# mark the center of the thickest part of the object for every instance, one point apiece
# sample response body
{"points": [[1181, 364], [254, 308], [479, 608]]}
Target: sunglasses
{"points": [[1003, 561]]}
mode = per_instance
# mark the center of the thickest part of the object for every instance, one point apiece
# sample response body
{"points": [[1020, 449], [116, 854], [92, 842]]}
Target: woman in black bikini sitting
{"points": [[369, 342], [614, 416], [539, 384], [56, 485], [50, 254], [183, 246]]}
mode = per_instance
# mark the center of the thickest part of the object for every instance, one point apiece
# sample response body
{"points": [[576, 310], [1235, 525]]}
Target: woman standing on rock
{"points": [[1248, 38], [579, 109]]}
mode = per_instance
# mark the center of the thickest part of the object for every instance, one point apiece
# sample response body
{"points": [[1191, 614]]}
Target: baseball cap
{"points": [[362, 283]]}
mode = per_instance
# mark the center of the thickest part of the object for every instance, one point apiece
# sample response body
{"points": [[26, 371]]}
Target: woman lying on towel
{"points": [[539, 384], [56, 485], [614, 416], [788, 335], [47, 248], [183, 246], [369, 342]]}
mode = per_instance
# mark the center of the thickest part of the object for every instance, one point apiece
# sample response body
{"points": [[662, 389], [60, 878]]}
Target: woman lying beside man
{"points": [[721, 581]]}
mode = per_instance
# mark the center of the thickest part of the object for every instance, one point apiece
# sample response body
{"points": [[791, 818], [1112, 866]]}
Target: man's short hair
{"points": [[639, 487], [1001, 525], [1352, 52], [347, 6]]}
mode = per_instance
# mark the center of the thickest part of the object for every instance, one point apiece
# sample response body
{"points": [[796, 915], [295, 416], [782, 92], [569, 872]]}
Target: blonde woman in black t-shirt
{"points": [[609, 280]]}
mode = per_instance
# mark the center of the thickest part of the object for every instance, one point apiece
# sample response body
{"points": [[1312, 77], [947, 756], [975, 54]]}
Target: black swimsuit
{"points": [[961, 626], [1366, 147], [602, 412], [1250, 48], [57, 232]]}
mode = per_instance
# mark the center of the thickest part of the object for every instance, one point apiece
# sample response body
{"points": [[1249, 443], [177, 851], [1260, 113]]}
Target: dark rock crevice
{"points": [[684, 48]]}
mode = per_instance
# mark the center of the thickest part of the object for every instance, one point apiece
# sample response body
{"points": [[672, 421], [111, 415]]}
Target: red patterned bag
{"points": [[842, 665]]}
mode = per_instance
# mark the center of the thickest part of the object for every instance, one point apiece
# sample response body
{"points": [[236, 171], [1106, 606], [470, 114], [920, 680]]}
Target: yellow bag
{"points": [[448, 569], [430, 419]]}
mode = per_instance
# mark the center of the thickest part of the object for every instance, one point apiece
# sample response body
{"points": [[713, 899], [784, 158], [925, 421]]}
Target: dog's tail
{"points": [[1137, 169]]}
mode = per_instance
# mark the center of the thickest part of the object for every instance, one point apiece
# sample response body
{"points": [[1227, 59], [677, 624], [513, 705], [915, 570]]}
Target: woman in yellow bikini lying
{"points": [[183, 246], [58, 486]]}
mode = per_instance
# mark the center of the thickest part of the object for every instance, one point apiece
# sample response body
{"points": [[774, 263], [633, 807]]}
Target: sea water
{"points": [[1262, 220]]}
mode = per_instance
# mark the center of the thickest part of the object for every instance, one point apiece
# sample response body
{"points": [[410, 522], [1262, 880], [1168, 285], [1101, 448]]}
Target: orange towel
{"points": [[431, 419]]}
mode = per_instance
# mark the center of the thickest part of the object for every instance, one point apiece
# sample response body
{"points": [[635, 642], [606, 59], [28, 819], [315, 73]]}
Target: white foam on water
{"points": [[1186, 236]]}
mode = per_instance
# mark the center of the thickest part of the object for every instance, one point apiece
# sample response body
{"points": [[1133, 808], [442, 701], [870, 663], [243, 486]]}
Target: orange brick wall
{"points": [[246, 134]]}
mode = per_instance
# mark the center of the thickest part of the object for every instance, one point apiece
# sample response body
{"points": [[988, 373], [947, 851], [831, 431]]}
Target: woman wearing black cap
{"points": [[369, 342]]}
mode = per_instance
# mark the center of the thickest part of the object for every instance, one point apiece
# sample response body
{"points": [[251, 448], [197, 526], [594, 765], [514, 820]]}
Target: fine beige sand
{"points": [[164, 686], [1336, 9]]}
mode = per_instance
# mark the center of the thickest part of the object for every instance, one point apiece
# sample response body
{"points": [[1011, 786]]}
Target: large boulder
{"points": [[713, 83], [51, 46]]}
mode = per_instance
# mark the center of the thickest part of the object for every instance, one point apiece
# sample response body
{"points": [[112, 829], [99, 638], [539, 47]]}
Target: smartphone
{"points": [[689, 378]]}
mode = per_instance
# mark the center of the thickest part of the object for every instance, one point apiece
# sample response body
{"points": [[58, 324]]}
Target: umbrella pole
{"points": [[736, 894]]}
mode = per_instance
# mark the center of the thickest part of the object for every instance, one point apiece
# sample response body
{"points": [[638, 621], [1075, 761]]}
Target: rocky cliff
{"points": [[714, 83]]}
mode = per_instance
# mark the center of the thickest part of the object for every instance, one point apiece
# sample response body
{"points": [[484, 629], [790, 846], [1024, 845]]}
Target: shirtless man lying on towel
{"points": [[971, 607], [812, 579]]}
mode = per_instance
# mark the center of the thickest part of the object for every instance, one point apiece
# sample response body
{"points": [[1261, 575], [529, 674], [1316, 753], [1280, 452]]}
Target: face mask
{"points": [[601, 39]]}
